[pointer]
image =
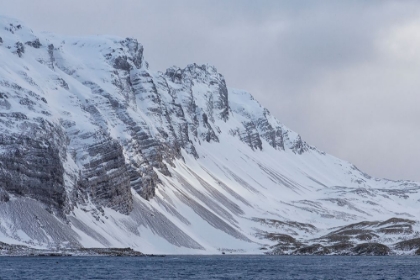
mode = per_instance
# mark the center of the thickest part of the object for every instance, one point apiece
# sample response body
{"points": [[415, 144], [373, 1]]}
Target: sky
{"points": [[343, 74]]}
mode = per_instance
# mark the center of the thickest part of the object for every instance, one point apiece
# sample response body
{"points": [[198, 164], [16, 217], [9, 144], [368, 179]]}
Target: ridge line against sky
{"points": [[344, 74]]}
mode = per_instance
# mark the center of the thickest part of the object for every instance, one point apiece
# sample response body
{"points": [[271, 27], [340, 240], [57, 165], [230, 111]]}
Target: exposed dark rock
{"points": [[257, 129], [209, 135], [360, 238], [20, 49], [6, 249], [284, 238], [174, 74], [127, 61], [336, 238], [397, 221], [287, 225], [315, 249], [106, 179], [274, 136], [356, 226], [111, 252], [4, 196], [286, 243], [284, 248], [397, 230], [35, 43], [408, 245], [21, 250], [223, 102], [368, 230], [366, 236], [207, 74], [14, 115], [121, 62], [372, 249], [145, 151], [51, 55], [63, 83], [12, 28], [341, 248], [135, 50], [251, 136], [20, 171], [299, 146]]}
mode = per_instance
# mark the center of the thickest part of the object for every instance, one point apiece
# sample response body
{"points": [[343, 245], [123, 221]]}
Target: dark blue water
{"points": [[211, 267]]}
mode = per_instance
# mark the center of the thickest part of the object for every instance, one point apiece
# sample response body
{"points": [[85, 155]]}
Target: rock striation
{"points": [[184, 106], [97, 150]]}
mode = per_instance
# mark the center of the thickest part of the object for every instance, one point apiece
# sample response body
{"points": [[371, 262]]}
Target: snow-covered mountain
{"points": [[97, 150]]}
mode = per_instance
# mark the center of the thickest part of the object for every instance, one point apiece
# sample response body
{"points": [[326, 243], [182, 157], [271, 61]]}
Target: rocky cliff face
{"points": [[127, 97], [157, 115], [94, 140]]}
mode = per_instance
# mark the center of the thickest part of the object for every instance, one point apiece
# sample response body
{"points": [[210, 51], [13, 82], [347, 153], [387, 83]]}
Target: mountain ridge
{"points": [[97, 150]]}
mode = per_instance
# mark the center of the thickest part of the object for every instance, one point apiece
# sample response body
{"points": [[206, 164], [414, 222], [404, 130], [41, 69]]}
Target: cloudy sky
{"points": [[343, 74]]}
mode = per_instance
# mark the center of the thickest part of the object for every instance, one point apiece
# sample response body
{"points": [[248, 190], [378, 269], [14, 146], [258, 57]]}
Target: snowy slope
{"points": [[97, 150]]}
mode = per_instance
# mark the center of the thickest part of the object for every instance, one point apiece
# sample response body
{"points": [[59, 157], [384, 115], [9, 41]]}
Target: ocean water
{"points": [[211, 267]]}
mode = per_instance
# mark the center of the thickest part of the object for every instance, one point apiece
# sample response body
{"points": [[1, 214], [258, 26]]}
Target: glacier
{"points": [[98, 150]]}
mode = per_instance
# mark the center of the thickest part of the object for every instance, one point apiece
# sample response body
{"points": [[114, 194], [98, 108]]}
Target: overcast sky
{"points": [[343, 74]]}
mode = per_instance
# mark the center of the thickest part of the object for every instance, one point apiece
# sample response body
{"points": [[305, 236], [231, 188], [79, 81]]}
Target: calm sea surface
{"points": [[211, 267]]}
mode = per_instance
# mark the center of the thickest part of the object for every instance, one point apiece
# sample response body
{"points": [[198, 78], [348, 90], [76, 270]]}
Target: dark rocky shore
{"points": [[20, 250]]}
